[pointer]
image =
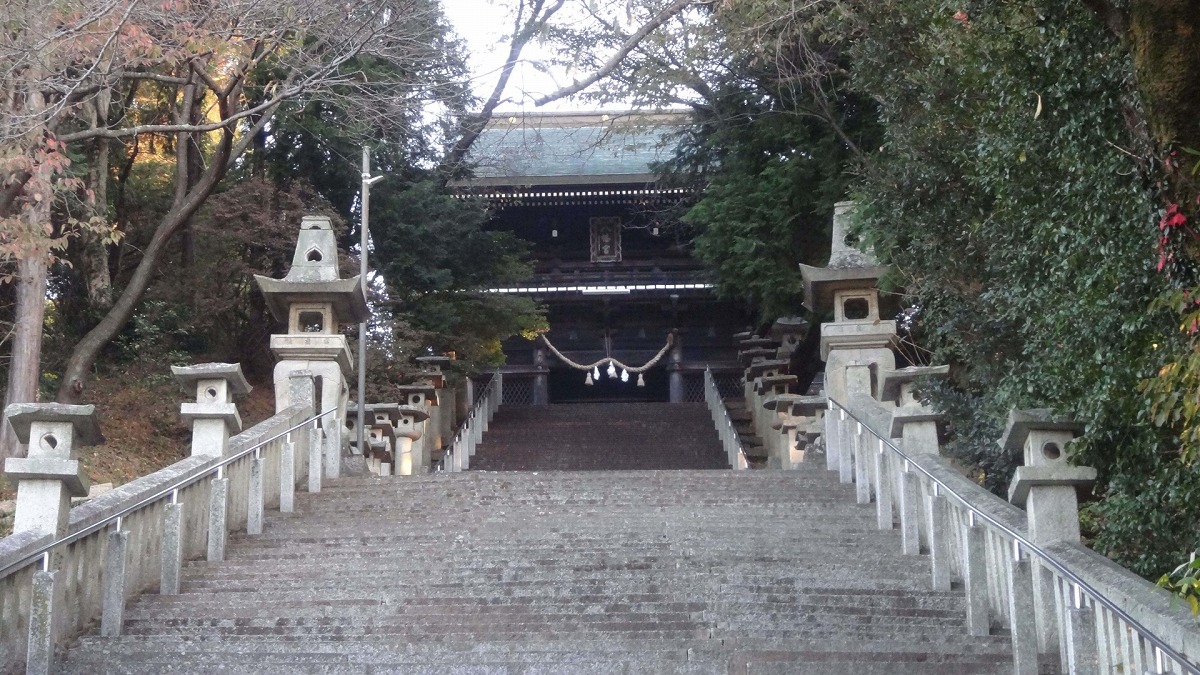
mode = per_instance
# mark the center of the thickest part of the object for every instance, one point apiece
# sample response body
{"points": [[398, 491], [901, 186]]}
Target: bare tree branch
{"points": [[615, 60], [522, 34]]}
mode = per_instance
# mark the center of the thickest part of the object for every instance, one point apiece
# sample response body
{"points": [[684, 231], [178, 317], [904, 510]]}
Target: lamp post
{"points": [[367, 182]]}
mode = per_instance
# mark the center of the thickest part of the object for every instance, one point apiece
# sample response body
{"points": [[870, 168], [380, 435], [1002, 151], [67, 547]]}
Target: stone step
{"points": [[694, 571], [621, 657]]}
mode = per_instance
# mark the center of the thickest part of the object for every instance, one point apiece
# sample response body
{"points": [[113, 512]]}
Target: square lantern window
{"points": [[311, 318], [856, 305]]}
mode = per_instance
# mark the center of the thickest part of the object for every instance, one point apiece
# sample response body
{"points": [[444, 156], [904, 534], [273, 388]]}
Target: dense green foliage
{"points": [[1005, 174], [1026, 234], [772, 175]]}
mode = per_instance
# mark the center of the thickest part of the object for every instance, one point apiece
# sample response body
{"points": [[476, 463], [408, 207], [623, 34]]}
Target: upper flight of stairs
{"points": [[674, 572], [600, 436]]}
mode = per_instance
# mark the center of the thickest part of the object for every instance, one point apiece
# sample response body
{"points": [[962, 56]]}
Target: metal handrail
{"points": [[484, 397], [711, 382], [44, 551], [1030, 547]]}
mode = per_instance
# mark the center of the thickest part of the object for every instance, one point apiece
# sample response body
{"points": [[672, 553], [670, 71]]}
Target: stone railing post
{"points": [[917, 428], [774, 438], [1046, 486], [213, 415], [46, 481]]}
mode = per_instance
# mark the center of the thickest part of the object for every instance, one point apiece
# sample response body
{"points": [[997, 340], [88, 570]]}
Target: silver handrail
{"points": [[1030, 547], [484, 399], [43, 551], [712, 396]]}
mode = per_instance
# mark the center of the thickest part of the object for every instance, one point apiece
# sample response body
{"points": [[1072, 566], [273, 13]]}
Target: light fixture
{"points": [[554, 233], [654, 231]]}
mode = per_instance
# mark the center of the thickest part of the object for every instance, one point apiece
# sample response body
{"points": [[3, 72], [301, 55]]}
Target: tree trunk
{"points": [[24, 371], [95, 252], [1164, 38], [84, 355]]}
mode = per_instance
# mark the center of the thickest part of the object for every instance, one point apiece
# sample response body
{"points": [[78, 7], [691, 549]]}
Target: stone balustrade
{"points": [[55, 583], [730, 441], [470, 433], [1024, 571]]}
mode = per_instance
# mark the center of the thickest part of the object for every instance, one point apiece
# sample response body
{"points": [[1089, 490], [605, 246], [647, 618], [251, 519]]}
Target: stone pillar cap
{"points": [[187, 376], [1026, 477], [81, 417], [756, 369], [346, 296], [428, 390], [788, 325], [748, 356], [392, 410], [796, 404], [69, 471], [893, 379], [757, 342], [1021, 422], [764, 384], [417, 414], [436, 361], [912, 414]]}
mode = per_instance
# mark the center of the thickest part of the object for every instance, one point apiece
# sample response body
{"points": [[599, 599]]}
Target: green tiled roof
{"points": [[565, 149]]}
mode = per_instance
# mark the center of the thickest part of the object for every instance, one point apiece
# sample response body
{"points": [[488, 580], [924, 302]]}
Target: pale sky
{"points": [[485, 25]]}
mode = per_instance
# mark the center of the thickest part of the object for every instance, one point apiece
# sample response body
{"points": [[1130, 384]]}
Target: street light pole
{"points": [[367, 182]]}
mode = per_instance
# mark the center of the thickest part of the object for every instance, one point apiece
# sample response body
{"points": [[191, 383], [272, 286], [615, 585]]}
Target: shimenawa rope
{"points": [[594, 368]]}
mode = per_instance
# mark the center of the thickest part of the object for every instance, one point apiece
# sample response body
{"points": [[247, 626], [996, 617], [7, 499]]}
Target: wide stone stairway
{"points": [[558, 572], [600, 436]]}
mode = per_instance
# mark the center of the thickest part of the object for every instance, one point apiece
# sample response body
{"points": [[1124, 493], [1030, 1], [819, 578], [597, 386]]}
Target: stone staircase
{"points": [[600, 436], [559, 572]]}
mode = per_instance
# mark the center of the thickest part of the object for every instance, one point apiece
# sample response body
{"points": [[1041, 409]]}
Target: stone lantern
{"points": [[441, 415], [315, 302], [916, 424], [848, 286], [213, 416], [796, 416], [790, 332], [422, 397], [408, 429], [51, 474], [758, 370], [1047, 486]]}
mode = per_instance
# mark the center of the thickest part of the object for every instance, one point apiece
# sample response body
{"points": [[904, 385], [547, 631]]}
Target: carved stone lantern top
{"points": [[84, 430], [212, 382], [849, 268], [312, 298]]}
